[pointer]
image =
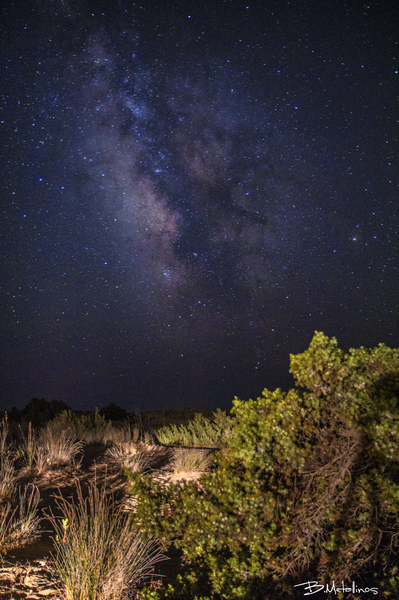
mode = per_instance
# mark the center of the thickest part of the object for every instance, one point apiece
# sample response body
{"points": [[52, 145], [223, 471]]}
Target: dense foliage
{"points": [[309, 486]]}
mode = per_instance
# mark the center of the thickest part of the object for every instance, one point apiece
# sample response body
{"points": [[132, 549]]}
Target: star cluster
{"points": [[189, 191]]}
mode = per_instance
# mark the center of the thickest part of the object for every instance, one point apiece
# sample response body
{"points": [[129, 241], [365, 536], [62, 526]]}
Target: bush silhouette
{"points": [[113, 412], [40, 411]]}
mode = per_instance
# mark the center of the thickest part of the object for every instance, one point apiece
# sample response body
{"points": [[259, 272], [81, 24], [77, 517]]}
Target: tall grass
{"points": [[93, 430], [47, 449], [7, 477], [82, 427], [60, 448], [4, 444], [7, 480], [124, 434], [41, 460], [97, 554], [21, 525], [28, 446]]}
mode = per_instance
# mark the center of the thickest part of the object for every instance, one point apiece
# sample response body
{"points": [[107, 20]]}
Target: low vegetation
{"points": [[86, 428], [128, 456], [89, 562], [7, 479], [59, 447], [291, 487], [20, 525], [28, 447], [19, 520], [186, 461], [97, 553], [199, 432]]}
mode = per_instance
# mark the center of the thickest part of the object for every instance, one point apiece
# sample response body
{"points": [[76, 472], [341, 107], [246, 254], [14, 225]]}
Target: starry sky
{"points": [[188, 191]]}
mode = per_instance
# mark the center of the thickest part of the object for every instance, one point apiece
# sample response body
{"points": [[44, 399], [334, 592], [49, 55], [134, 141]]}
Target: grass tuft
{"points": [[190, 460], [123, 434], [7, 480], [21, 525], [28, 446], [60, 448], [93, 429], [4, 444], [126, 456], [98, 554]]}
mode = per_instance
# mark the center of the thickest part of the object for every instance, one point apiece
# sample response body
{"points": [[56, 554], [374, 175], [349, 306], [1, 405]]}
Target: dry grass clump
{"points": [[21, 525], [50, 447], [187, 461], [7, 471], [94, 429], [4, 443], [31, 452], [59, 448], [27, 446], [98, 554], [18, 525], [81, 427], [7, 480], [135, 457], [123, 434], [127, 456]]}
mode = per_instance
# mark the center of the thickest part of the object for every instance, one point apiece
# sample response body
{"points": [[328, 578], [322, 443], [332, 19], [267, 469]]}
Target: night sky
{"points": [[188, 191]]}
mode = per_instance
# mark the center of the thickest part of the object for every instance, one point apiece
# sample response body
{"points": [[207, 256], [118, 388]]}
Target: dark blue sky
{"points": [[189, 190]]}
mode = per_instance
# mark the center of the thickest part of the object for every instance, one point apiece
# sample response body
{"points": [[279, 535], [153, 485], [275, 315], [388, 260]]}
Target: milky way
{"points": [[188, 199]]}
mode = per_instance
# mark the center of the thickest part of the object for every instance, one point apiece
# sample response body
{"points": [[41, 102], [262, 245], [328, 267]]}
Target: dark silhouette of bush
{"points": [[14, 415], [113, 412], [39, 411]]}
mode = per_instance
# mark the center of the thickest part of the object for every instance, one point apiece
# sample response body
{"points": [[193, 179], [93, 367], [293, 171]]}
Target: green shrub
{"points": [[309, 487], [199, 431]]}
